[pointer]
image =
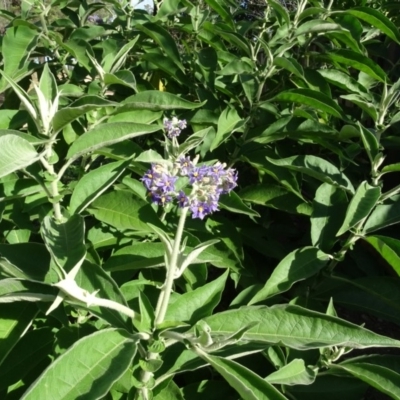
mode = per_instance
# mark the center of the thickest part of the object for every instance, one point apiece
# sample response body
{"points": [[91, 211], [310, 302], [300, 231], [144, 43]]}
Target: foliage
{"points": [[107, 292]]}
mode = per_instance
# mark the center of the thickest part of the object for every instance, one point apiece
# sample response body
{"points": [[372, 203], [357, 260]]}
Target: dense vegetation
{"points": [[209, 187]]}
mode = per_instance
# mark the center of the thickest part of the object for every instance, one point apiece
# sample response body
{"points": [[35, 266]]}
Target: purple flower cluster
{"points": [[174, 126], [208, 183], [160, 184]]}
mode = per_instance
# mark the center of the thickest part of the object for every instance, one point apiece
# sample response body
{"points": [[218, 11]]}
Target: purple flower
{"points": [[196, 174], [199, 209], [174, 126], [160, 184], [184, 165], [183, 200], [166, 183]]}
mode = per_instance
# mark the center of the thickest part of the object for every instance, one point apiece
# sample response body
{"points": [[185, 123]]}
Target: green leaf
{"points": [[164, 40], [168, 390], [280, 11], [93, 278], [220, 7], [155, 100], [80, 107], [121, 56], [276, 197], [294, 373], [316, 167], [146, 314], [343, 81], [229, 121], [136, 256], [363, 201], [381, 378], [106, 135], [296, 266], [384, 215], [12, 290], [317, 26], [371, 143], [357, 61], [192, 306], [249, 385], [376, 19], [329, 210], [295, 327], [31, 349], [65, 241], [93, 184], [48, 85], [15, 153], [101, 357], [17, 44], [388, 248], [390, 168], [15, 319], [234, 203], [376, 295], [365, 105], [310, 98], [124, 78], [291, 65], [123, 211]]}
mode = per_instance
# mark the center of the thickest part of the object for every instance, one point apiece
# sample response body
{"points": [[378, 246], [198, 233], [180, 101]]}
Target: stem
{"points": [[165, 294], [54, 184]]}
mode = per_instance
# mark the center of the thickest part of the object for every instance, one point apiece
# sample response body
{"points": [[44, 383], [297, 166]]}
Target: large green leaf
{"points": [[15, 318], [376, 19], [249, 385], [136, 256], [106, 135], [164, 40], [66, 115], [17, 44], [31, 349], [381, 378], [94, 279], [197, 304], [87, 369], [343, 81], [317, 26], [12, 290], [276, 197], [311, 98], [329, 210], [15, 153], [295, 327], [384, 215], [296, 266], [228, 122], [362, 203], [375, 295], [388, 248], [25, 260], [357, 61], [317, 168], [93, 184], [155, 100], [124, 211], [65, 240]]}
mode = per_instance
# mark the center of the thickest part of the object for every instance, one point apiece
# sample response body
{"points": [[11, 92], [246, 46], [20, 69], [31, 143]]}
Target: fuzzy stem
{"points": [[165, 294], [54, 184]]}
